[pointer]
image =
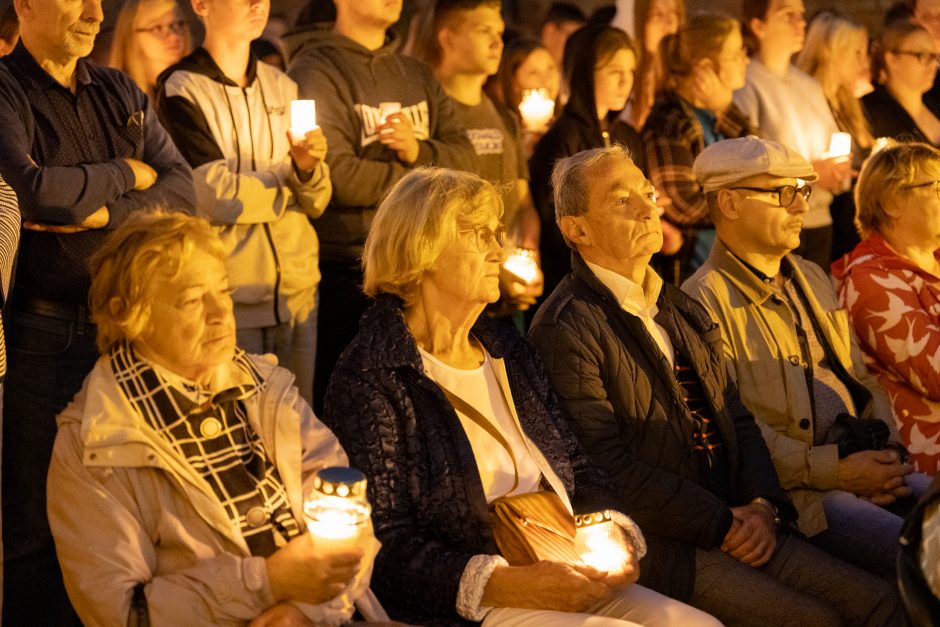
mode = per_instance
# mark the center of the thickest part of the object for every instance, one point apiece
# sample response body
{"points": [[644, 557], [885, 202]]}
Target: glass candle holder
{"points": [[600, 542], [337, 510]]}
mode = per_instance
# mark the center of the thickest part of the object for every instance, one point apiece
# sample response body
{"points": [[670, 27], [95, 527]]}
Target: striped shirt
{"points": [[9, 240]]}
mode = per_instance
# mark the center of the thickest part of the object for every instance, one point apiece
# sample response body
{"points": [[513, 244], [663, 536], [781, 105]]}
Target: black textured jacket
{"points": [[429, 508], [626, 407]]}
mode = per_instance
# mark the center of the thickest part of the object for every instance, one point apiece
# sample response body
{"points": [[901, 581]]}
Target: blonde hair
{"points": [[702, 37], [650, 73], [885, 175], [422, 215], [148, 243], [125, 45], [827, 39]]}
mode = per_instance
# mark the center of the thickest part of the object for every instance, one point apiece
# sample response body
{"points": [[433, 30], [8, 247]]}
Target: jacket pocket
{"points": [[762, 388]]}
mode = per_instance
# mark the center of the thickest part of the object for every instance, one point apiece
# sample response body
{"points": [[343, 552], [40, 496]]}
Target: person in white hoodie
{"points": [[259, 185]]}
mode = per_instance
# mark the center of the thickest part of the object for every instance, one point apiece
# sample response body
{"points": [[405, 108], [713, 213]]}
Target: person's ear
{"points": [[24, 9], [200, 7], [891, 207], [757, 26], [727, 206], [572, 228], [706, 64], [444, 40]]}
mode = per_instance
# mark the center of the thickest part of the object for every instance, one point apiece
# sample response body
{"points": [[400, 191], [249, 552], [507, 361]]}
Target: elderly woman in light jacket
{"points": [[177, 478], [417, 400]]}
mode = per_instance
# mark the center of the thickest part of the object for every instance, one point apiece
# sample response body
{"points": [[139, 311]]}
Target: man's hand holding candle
{"points": [[307, 152], [397, 133]]}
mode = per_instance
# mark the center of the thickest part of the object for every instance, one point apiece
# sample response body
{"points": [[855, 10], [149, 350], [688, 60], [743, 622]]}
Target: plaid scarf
{"points": [[215, 438]]}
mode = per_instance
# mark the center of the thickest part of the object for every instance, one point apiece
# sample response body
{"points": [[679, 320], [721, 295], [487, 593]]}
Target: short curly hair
{"points": [[147, 244], [420, 217]]}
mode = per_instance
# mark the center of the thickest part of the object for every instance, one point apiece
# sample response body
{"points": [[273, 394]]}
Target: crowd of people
{"points": [[674, 274]]}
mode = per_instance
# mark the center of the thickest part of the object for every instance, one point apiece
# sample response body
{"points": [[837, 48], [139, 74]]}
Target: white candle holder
{"points": [[303, 117], [388, 108], [840, 145]]}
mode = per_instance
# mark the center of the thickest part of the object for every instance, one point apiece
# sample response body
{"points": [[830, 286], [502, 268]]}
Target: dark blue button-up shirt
{"points": [[63, 153]]}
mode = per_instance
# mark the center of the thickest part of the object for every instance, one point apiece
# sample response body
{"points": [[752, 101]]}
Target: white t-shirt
{"points": [[480, 388]]}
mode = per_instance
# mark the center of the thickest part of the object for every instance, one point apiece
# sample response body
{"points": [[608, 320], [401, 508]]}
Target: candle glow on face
{"points": [[303, 117], [536, 108]]}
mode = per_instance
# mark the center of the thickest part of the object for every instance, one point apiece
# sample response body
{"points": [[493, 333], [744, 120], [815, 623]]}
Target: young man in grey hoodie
{"points": [[382, 114]]}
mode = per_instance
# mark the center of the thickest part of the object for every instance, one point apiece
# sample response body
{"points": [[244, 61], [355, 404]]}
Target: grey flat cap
{"points": [[731, 160]]}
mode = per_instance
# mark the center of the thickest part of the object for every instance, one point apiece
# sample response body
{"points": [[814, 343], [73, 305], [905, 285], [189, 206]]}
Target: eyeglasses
{"points": [[936, 185], [486, 237], [785, 195], [162, 31], [924, 58]]}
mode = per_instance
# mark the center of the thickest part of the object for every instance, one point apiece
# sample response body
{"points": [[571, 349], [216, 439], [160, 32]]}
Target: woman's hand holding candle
{"points": [[605, 546], [299, 572]]}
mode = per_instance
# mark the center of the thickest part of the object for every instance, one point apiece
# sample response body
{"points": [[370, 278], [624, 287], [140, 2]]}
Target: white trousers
{"points": [[631, 607]]}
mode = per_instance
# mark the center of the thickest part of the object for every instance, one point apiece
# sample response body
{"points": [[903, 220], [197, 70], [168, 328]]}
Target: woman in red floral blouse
{"points": [[890, 285]]}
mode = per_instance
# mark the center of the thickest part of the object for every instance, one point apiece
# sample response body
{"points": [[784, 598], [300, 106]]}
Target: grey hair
{"points": [[569, 179]]}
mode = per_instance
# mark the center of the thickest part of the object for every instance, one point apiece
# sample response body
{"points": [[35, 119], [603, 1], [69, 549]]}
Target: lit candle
{"points": [[840, 145], [303, 117], [337, 510], [522, 264], [599, 542], [536, 109], [388, 108]]}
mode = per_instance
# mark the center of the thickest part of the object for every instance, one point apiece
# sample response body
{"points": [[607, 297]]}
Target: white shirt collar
{"points": [[638, 299]]}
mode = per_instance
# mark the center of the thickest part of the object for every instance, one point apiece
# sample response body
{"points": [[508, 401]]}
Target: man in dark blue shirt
{"points": [[82, 149]]}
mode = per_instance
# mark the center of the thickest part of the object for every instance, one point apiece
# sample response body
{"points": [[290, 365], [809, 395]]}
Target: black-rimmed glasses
{"points": [[923, 57], [486, 237], [785, 194]]}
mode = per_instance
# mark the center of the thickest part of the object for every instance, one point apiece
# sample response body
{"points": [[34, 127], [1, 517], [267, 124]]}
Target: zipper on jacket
{"points": [[238, 142], [277, 273], [251, 131]]}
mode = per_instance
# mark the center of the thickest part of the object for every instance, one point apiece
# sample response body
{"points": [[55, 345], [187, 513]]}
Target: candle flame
{"points": [[523, 265], [536, 108]]}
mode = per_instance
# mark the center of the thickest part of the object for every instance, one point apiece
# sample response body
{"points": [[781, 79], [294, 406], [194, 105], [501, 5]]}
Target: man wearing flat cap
{"points": [[798, 366], [640, 371]]}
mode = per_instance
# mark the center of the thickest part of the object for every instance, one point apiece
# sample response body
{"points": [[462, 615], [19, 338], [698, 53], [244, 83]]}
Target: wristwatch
{"points": [[759, 500]]}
